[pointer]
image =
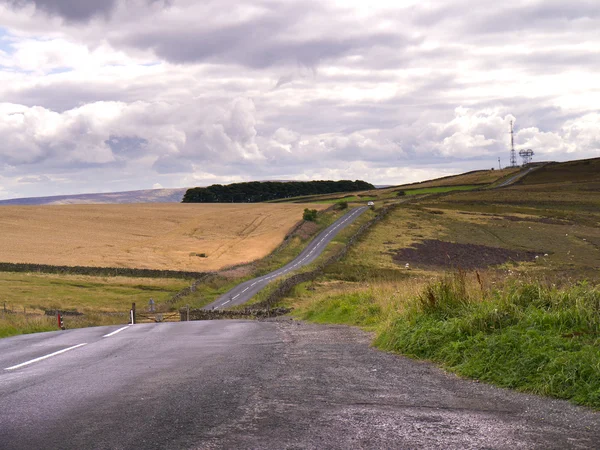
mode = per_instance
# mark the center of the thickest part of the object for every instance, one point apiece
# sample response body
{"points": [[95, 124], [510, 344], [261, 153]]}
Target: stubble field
{"points": [[146, 236]]}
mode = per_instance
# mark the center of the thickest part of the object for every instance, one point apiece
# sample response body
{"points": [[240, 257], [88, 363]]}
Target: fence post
{"points": [[187, 307], [133, 313], [59, 318]]}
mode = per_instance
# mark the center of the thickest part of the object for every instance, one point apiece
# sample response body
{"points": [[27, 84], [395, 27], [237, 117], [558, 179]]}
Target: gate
{"points": [[157, 317]]}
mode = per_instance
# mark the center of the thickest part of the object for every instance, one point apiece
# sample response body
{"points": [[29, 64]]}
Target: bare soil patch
{"points": [[433, 252]]}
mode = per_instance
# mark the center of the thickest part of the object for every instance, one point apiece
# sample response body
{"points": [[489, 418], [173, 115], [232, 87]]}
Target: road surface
{"points": [[516, 177], [245, 291], [250, 385]]}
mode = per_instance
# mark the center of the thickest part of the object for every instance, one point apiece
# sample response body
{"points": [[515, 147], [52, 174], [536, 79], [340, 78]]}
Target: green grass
{"points": [[529, 337], [349, 199], [14, 324], [441, 189], [358, 308], [81, 292], [27, 295]]}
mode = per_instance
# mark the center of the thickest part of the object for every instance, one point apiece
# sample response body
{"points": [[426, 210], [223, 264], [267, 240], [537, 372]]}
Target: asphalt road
{"points": [[514, 178], [261, 385], [245, 291]]}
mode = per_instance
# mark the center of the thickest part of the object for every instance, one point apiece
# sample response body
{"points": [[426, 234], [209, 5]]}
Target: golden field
{"points": [[151, 236]]}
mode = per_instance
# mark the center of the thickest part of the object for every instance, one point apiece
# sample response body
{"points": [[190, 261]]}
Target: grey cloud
{"points": [[231, 45], [75, 10], [127, 146], [493, 17], [171, 164], [274, 37]]}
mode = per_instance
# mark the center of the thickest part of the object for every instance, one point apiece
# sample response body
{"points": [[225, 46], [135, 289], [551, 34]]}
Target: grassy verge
{"points": [[441, 189], [522, 334], [12, 324], [530, 337]]}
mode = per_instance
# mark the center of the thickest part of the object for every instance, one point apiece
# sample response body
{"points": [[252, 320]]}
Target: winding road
{"points": [[245, 291]]}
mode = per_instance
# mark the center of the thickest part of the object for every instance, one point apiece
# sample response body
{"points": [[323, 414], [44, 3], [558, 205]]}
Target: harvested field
{"points": [[433, 252], [150, 236]]}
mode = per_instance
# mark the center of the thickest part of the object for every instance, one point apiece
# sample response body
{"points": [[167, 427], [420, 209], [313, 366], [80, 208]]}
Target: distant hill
{"points": [[144, 196], [579, 171]]}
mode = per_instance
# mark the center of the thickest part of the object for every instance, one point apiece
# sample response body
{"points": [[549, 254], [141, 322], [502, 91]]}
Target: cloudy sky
{"points": [[99, 96]]}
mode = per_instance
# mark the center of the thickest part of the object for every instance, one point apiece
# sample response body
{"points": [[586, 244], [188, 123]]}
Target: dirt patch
{"points": [[545, 220], [306, 230], [238, 271], [438, 253]]}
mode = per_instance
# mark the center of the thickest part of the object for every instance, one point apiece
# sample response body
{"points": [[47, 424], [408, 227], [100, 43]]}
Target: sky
{"points": [[101, 96]]}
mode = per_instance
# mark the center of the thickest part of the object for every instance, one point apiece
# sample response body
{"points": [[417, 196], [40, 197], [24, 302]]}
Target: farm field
{"points": [[145, 236], [24, 298]]}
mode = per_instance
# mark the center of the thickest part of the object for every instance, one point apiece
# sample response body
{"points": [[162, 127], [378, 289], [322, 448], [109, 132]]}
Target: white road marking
{"points": [[245, 290], [235, 297], [26, 363], [116, 331], [224, 303]]}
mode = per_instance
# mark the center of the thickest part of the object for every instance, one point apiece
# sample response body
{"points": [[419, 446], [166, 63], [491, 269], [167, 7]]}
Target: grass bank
{"points": [[440, 189], [523, 335]]}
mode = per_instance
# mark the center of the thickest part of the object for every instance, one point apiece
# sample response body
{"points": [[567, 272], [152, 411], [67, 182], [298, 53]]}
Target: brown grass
{"points": [[477, 177], [153, 236]]}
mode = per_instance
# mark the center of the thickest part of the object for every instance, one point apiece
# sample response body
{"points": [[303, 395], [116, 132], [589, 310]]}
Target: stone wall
{"points": [[202, 314]]}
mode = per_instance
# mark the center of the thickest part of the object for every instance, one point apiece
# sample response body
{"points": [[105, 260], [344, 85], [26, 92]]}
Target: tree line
{"points": [[261, 191]]}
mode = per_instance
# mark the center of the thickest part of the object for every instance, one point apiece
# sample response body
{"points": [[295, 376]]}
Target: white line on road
{"points": [[116, 331], [26, 363], [224, 303], [235, 297]]}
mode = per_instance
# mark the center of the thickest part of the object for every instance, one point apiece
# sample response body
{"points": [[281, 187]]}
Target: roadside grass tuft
{"points": [[359, 308], [13, 324], [526, 336]]}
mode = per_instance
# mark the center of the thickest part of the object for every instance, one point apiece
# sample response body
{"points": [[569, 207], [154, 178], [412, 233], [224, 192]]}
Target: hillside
{"points": [[469, 178], [143, 196], [581, 171]]}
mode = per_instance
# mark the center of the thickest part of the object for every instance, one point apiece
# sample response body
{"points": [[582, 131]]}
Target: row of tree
{"points": [[261, 191]]}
